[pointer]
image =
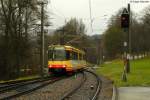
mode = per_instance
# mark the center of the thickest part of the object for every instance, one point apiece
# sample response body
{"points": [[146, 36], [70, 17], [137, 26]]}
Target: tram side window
{"points": [[75, 56], [80, 56], [68, 55], [84, 57], [50, 54]]}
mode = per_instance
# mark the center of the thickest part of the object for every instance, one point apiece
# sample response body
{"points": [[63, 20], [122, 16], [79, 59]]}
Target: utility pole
{"points": [[26, 20], [42, 38], [91, 23], [62, 37]]}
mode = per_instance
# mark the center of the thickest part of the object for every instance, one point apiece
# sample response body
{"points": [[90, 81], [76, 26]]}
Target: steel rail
{"points": [[16, 85], [75, 89], [18, 81], [99, 85], [45, 83]]}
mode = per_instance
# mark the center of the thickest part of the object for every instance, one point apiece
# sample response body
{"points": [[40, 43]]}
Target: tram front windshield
{"points": [[57, 54]]}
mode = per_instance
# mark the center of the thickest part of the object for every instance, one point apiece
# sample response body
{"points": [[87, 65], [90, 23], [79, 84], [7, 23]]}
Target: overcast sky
{"points": [[102, 10]]}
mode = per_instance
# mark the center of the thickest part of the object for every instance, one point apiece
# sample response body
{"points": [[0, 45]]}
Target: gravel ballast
{"points": [[106, 92], [107, 89], [57, 90], [87, 90], [53, 91]]}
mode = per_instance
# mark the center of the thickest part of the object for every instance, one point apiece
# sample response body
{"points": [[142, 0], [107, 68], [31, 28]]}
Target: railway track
{"points": [[96, 93], [75, 89], [10, 86], [18, 81], [19, 89], [99, 86]]}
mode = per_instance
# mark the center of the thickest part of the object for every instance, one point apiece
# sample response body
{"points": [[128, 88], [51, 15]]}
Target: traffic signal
{"points": [[125, 21]]}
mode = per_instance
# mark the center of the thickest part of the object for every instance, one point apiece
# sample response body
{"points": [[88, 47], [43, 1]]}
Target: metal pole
{"points": [[26, 20], [42, 37], [127, 52], [90, 8], [124, 76], [129, 44], [63, 35], [130, 33]]}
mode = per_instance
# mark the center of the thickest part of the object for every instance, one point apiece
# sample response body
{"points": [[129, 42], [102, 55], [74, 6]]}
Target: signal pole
{"points": [[129, 43], [130, 29], [125, 25]]}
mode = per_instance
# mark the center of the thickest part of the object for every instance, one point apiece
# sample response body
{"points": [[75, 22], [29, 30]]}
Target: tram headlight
{"points": [[64, 66], [50, 66]]}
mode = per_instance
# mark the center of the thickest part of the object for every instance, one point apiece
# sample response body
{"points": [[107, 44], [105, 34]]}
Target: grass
{"points": [[139, 76], [21, 78]]}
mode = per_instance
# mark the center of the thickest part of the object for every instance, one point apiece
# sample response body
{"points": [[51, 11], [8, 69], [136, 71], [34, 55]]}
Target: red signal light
{"points": [[125, 21], [123, 18]]}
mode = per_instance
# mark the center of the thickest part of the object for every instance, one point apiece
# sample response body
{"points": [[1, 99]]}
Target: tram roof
{"points": [[67, 47]]}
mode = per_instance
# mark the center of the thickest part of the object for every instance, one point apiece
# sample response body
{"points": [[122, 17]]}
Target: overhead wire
{"points": [[90, 8], [56, 13]]}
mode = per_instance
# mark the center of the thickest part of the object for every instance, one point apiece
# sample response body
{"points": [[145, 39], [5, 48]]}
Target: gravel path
{"points": [[53, 91]]}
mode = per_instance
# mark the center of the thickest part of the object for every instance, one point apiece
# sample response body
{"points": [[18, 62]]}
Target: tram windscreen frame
{"points": [[58, 54]]}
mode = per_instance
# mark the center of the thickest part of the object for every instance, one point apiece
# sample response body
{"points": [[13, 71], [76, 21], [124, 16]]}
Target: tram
{"points": [[65, 59]]}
